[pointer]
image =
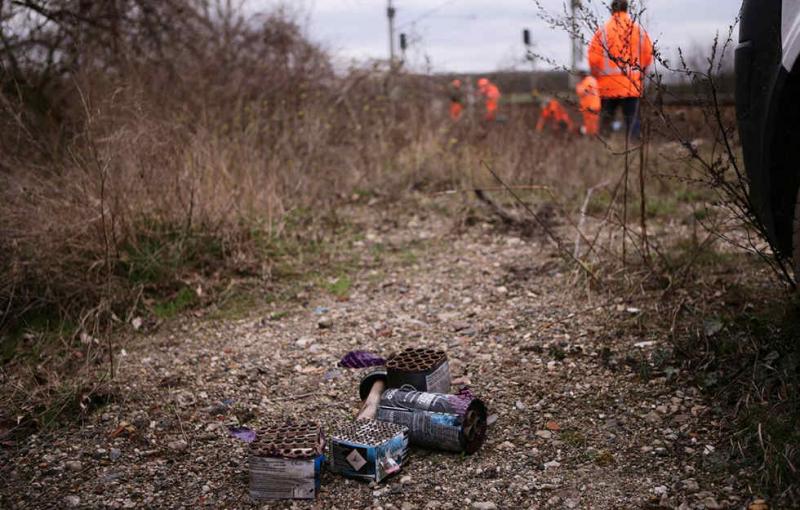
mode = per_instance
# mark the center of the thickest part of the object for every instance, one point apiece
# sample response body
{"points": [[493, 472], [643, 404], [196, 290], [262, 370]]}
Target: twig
{"points": [[295, 397], [507, 216], [607, 214], [625, 194], [476, 190], [642, 192], [556, 322], [102, 170], [545, 227], [568, 219], [180, 424], [582, 218]]}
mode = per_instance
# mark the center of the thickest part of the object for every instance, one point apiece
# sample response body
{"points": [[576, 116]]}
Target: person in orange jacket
{"points": [[555, 116], [590, 103], [456, 100], [619, 54], [491, 95]]}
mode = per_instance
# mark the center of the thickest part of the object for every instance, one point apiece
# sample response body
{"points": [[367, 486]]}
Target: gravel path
{"points": [[577, 426]]}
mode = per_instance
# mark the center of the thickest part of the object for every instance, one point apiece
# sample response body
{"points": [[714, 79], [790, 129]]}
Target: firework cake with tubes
{"points": [[368, 449], [286, 462], [421, 369]]}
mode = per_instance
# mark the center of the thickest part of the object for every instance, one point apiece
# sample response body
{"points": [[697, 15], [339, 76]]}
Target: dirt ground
{"points": [[577, 426]]}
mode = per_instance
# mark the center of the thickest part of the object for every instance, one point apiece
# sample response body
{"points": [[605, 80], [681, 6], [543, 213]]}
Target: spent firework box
{"points": [[368, 449], [286, 462]]}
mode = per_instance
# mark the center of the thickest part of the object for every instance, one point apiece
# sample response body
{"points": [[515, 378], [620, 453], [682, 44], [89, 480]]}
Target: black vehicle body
{"points": [[768, 112]]}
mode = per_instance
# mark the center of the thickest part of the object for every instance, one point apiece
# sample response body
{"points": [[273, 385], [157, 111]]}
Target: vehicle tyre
{"points": [[796, 239]]}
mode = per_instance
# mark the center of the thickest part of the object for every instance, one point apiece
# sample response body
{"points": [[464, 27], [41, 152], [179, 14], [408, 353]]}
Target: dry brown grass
{"points": [[201, 161], [144, 175], [214, 152]]}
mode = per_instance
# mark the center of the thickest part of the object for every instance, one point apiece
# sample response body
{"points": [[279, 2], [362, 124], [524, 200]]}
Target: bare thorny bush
{"points": [[706, 156], [749, 366]]}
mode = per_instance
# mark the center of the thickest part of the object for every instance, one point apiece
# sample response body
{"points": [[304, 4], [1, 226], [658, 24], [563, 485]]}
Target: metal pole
{"points": [[577, 44], [390, 12]]}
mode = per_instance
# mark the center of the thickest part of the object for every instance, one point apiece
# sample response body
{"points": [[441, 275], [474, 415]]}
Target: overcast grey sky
{"points": [[485, 35]]}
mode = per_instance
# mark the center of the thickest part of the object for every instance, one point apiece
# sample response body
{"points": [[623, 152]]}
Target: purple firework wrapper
{"points": [[243, 434], [461, 401], [361, 359]]}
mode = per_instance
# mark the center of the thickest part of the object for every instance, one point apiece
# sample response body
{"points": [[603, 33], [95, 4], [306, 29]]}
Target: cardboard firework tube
{"points": [[454, 423], [371, 388]]}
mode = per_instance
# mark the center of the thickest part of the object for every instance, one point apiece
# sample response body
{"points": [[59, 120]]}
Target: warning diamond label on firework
{"points": [[368, 449], [356, 460]]}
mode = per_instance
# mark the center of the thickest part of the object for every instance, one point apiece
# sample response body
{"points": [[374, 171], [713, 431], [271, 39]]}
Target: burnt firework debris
{"points": [[289, 441], [286, 462], [368, 449], [421, 369], [367, 432], [447, 422], [416, 360]]}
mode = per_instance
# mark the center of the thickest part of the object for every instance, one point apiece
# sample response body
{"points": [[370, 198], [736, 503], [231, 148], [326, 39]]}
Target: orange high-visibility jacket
{"points": [[491, 93], [556, 114], [619, 53], [588, 94]]}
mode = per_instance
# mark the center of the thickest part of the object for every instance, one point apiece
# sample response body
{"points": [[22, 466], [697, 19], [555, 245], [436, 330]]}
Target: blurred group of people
{"points": [[554, 116], [619, 54], [488, 91]]}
